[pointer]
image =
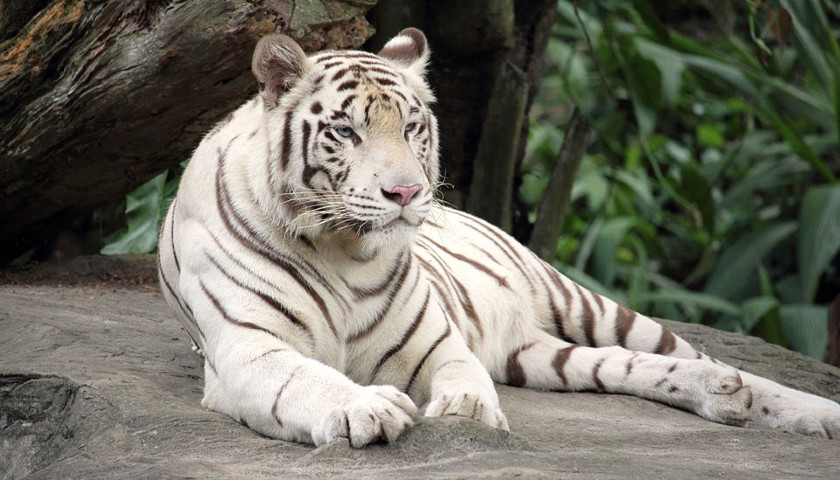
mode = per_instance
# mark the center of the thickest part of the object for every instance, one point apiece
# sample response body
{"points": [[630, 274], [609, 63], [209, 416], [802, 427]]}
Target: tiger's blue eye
{"points": [[343, 130], [410, 127]]}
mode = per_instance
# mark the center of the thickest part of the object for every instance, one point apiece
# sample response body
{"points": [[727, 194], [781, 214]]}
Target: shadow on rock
{"points": [[34, 427]]}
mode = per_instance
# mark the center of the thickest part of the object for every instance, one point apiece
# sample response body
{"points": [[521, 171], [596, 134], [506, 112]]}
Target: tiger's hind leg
{"points": [[583, 317], [712, 391]]}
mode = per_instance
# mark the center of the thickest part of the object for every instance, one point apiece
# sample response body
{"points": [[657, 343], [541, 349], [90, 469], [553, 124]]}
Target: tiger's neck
{"points": [[350, 252]]}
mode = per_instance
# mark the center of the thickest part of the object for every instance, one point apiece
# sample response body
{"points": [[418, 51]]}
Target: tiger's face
{"points": [[353, 142]]}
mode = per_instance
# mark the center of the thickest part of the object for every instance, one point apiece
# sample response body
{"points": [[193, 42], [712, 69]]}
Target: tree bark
{"points": [[558, 194], [832, 351], [494, 167], [97, 96]]}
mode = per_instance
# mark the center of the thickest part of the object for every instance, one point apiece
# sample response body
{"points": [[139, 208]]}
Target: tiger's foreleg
{"points": [[455, 382], [282, 394], [256, 373]]}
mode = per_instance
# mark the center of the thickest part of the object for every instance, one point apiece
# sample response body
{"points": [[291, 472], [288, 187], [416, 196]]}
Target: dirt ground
{"points": [[125, 271]]}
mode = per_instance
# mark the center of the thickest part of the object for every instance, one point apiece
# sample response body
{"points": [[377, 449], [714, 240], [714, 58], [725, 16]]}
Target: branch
{"points": [[558, 194]]}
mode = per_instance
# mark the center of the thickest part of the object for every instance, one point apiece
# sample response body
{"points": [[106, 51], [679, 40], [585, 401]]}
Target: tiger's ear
{"points": [[408, 50], [278, 64]]}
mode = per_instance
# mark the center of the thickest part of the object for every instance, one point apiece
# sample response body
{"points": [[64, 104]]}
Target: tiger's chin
{"points": [[397, 235]]}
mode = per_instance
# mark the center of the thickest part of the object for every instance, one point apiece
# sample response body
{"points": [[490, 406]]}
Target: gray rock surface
{"points": [[97, 381]]}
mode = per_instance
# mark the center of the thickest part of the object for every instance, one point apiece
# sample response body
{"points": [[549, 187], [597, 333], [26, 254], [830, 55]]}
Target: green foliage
{"points": [[709, 193], [145, 208]]}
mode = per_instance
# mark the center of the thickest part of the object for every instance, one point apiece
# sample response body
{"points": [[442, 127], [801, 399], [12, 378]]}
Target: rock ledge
{"points": [[97, 381]]}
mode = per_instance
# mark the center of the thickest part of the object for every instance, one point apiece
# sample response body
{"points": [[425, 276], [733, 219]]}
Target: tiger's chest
{"points": [[356, 306]]}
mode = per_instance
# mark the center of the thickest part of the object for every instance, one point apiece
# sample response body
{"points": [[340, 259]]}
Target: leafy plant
{"points": [[710, 193], [144, 211]]}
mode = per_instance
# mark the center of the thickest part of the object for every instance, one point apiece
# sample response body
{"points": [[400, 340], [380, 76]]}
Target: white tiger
{"points": [[330, 295]]}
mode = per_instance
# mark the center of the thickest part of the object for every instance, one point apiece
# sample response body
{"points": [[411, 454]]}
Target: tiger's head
{"points": [[352, 140]]}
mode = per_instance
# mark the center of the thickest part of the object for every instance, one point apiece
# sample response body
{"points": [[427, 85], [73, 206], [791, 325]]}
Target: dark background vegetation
{"points": [[704, 152]]}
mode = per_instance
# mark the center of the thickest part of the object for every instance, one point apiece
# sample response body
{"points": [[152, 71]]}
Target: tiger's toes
{"points": [[378, 413], [470, 405], [728, 408], [724, 381], [804, 418]]}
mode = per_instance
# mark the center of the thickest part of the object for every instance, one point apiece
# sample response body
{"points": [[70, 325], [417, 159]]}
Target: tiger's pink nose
{"points": [[402, 194]]}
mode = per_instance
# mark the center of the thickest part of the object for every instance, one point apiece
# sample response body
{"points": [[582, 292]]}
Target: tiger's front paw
{"points": [[377, 413], [468, 404]]}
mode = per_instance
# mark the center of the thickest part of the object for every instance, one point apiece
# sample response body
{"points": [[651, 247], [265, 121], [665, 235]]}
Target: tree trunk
{"points": [[98, 96], [486, 68], [832, 351], [558, 194]]}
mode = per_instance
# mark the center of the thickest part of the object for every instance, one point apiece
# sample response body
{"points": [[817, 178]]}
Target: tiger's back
{"points": [[330, 295]]}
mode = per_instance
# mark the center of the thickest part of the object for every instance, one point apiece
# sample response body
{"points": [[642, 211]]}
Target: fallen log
{"points": [[98, 96]]}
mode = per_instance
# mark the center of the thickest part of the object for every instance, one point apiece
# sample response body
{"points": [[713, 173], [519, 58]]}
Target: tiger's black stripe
{"points": [[460, 290], [275, 410], [463, 258], [500, 242], [559, 318], [667, 342], [270, 301], [448, 303], [624, 321], [186, 312], [514, 373], [227, 317], [587, 317], [560, 360], [286, 146], [399, 285], [422, 362], [257, 243], [363, 293], [599, 384], [405, 337], [172, 208]]}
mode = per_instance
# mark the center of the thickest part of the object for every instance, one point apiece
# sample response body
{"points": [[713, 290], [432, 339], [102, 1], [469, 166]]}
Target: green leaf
{"points": [[789, 289], [641, 187], [687, 297], [581, 278], [710, 135], [643, 83], [818, 240], [648, 15], [143, 211], [765, 175], [588, 244], [835, 95], [806, 328], [813, 33], [670, 65], [735, 270], [604, 255], [740, 80], [591, 183], [754, 309], [696, 189]]}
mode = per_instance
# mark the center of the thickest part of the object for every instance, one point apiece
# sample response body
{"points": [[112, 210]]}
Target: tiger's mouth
{"points": [[364, 227]]}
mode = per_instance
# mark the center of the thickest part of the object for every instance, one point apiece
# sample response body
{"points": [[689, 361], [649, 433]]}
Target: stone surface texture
{"points": [[97, 380]]}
